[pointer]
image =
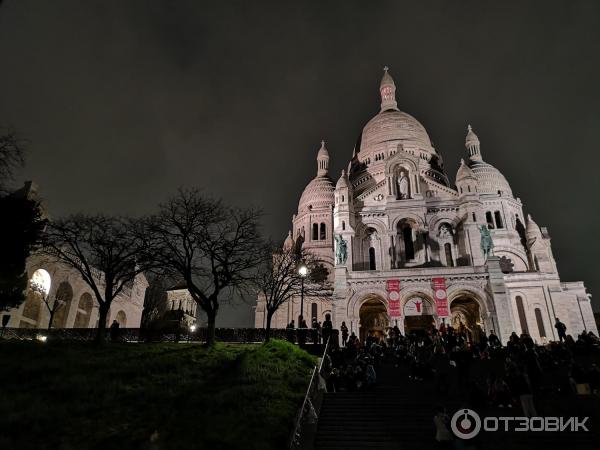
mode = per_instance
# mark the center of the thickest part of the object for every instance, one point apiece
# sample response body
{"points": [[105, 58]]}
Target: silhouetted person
{"points": [[344, 330], [114, 331], [441, 420], [327, 327], [302, 332], [561, 328], [291, 331], [314, 332], [493, 340]]}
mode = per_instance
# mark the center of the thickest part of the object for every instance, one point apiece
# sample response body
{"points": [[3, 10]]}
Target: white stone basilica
{"points": [[415, 242]]}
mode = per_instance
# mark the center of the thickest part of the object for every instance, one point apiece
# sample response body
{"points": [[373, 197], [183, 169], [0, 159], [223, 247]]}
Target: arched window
{"points": [[469, 187], [121, 319], [343, 225], [64, 293], [342, 199], [372, 262], [323, 233], [315, 232], [522, 316], [498, 218], [489, 219], [474, 218], [449, 259], [540, 322], [313, 311], [84, 311], [409, 247]]}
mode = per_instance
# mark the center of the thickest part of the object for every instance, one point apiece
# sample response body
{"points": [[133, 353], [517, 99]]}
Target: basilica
{"points": [[405, 246]]}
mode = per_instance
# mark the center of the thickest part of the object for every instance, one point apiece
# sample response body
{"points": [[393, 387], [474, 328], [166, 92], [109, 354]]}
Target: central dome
{"points": [[395, 125]]}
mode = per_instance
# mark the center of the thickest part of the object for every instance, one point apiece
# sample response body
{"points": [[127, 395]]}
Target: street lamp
{"points": [[302, 271]]}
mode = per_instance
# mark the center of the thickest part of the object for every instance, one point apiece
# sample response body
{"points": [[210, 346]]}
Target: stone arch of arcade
{"points": [[418, 309], [468, 310], [359, 297]]}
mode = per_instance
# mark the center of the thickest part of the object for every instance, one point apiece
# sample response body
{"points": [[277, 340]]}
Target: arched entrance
{"points": [[373, 318], [465, 315], [418, 314]]}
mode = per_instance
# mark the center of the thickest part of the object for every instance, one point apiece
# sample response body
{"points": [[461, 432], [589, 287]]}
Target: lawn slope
{"points": [[149, 396]]}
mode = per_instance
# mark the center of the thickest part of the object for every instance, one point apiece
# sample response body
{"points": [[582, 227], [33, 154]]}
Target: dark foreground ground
{"points": [[149, 396]]}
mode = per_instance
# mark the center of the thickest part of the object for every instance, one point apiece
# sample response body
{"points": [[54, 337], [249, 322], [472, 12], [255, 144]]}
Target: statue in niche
{"points": [[373, 237], [445, 231], [487, 245], [341, 250], [403, 186]]}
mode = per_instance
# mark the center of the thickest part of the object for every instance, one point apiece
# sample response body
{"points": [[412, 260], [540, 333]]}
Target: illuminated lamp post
{"points": [[302, 271]]}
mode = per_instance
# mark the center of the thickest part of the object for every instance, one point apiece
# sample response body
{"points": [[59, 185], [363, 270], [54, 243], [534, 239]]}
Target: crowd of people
{"points": [[510, 376], [318, 333]]}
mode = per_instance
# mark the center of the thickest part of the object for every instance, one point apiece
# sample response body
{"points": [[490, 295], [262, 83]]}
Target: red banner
{"points": [[441, 300], [393, 289]]}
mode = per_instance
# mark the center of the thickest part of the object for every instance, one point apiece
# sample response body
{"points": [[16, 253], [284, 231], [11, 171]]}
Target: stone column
{"points": [[340, 298], [501, 299]]}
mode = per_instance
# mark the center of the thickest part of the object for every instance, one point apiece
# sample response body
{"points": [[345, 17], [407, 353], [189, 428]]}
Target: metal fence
{"points": [[234, 335]]}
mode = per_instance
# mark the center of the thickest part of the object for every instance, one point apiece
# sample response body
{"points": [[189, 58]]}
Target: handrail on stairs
{"points": [[307, 407]]}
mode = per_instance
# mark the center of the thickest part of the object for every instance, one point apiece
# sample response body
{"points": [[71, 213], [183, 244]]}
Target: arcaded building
{"points": [[407, 246], [77, 307]]}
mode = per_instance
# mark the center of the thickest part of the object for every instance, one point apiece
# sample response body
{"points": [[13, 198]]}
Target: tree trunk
{"points": [[268, 327], [51, 319], [210, 328], [102, 315]]}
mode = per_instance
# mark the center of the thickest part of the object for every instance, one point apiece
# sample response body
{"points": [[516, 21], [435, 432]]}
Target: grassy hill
{"points": [[149, 396]]}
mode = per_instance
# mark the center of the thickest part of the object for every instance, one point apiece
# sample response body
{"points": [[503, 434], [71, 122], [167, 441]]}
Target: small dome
{"points": [[471, 138], [387, 79], [489, 179], [343, 181], [289, 241], [464, 171], [532, 231], [318, 194], [322, 151]]}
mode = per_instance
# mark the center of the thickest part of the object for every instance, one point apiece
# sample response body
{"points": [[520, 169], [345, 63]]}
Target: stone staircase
{"points": [[398, 414]]}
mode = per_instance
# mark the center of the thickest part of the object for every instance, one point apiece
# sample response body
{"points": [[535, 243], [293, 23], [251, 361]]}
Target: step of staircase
{"points": [[398, 414]]}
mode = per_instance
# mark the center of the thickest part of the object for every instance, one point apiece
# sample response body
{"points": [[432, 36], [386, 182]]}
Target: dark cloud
{"points": [[125, 101]]}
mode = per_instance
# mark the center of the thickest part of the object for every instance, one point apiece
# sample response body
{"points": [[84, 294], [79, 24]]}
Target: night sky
{"points": [[125, 101]]}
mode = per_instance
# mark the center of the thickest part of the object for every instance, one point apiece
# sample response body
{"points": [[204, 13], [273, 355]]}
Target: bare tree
{"points": [[279, 280], [12, 156], [211, 247], [105, 250], [155, 300], [52, 305]]}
